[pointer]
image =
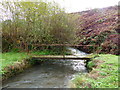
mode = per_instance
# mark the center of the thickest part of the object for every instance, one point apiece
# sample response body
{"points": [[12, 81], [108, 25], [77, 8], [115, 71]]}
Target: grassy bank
{"points": [[104, 73], [10, 58], [13, 63]]}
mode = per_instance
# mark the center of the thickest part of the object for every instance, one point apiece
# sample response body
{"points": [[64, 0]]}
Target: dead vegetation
{"points": [[99, 27]]}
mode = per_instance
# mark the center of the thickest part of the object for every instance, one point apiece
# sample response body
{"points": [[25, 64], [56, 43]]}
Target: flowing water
{"points": [[50, 74]]}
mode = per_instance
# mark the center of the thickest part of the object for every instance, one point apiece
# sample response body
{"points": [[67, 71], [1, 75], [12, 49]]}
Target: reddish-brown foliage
{"points": [[98, 27]]}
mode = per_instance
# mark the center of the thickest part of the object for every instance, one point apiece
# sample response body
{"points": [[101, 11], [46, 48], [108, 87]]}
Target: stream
{"points": [[50, 74]]}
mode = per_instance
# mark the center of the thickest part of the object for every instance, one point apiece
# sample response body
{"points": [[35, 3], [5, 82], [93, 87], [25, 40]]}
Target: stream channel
{"points": [[50, 74]]}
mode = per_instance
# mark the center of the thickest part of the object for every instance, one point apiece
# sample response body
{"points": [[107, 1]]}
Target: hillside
{"points": [[99, 27]]}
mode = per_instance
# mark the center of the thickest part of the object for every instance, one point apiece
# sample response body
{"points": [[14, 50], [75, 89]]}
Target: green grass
{"points": [[9, 58], [104, 73], [50, 52], [45, 52]]}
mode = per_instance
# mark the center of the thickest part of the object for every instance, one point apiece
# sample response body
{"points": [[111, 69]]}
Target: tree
{"points": [[38, 23]]}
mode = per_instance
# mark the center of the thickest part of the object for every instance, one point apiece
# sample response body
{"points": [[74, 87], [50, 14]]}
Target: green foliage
{"points": [[15, 50], [36, 23], [10, 58], [103, 73], [40, 52], [79, 80], [91, 64], [101, 38], [106, 76]]}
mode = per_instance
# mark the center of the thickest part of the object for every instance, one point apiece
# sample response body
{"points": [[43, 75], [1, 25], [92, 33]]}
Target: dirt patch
{"points": [[94, 74], [98, 63]]}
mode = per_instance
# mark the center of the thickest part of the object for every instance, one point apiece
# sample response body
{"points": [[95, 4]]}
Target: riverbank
{"points": [[103, 69], [103, 74], [13, 63]]}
